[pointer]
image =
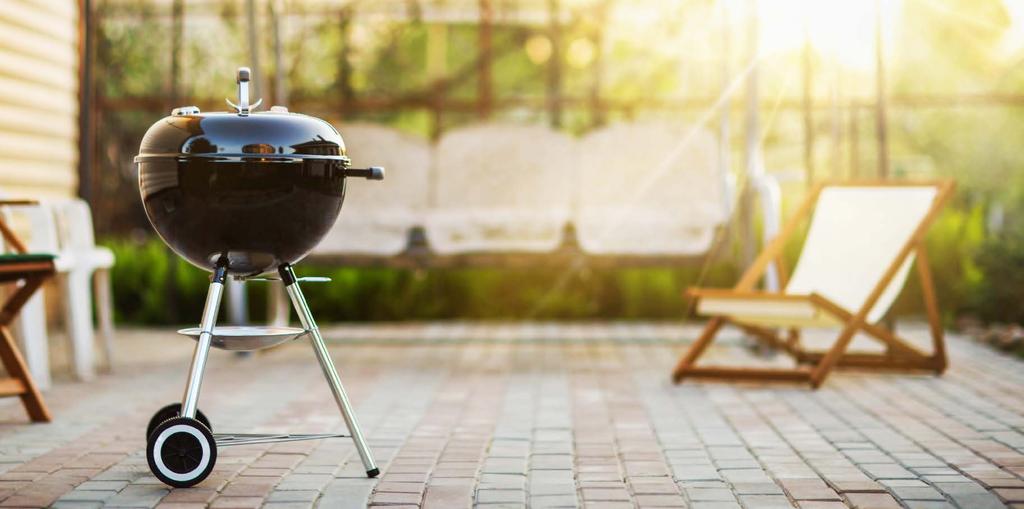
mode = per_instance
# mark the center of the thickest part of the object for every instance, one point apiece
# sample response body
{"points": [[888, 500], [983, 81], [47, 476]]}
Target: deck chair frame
{"points": [[814, 367], [31, 274]]}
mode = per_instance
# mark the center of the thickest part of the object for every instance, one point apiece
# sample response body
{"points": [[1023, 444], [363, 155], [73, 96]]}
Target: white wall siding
{"points": [[38, 98]]}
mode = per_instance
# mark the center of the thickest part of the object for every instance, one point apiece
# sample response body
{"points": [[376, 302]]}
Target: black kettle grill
{"points": [[242, 194], [251, 191]]}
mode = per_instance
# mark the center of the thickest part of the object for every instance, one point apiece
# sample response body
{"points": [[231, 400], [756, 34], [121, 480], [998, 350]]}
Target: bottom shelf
{"points": [[234, 337]]}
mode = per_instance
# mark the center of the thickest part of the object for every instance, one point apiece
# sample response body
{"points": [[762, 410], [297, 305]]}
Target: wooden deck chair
{"points": [[27, 271], [862, 240]]}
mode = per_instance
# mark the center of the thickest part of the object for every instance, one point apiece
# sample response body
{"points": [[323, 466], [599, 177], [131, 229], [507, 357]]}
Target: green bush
{"points": [[953, 244], [153, 286], [999, 292]]}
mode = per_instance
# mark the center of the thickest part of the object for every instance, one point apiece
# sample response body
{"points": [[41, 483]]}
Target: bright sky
{"points": [[842, 29], [1014, 40], [845, 29]]}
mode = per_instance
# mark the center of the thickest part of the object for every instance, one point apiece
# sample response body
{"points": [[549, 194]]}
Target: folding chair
{"points": [[862, 240], [27, 271]]}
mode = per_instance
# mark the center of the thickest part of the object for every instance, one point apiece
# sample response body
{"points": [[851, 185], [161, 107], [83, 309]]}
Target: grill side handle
{"points": [[371, 173]]}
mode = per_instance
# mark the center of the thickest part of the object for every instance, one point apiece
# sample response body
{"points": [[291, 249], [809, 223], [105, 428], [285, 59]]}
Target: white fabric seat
{"points": [[377, 216], [649, 189], [501, 188], [855, 234]]}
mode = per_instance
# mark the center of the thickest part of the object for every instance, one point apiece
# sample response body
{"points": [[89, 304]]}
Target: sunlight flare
{"points": [[837, 29]]}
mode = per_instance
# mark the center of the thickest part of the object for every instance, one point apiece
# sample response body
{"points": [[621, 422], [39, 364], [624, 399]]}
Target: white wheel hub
{"points": [[159, 460]]}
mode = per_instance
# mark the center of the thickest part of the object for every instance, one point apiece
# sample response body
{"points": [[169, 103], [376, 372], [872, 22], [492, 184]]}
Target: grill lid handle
{"points": [[371, 173], [243, 106]]}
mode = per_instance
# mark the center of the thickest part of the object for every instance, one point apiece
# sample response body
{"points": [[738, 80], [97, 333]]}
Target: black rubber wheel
{"points": [[169, 411], [181, 452]]}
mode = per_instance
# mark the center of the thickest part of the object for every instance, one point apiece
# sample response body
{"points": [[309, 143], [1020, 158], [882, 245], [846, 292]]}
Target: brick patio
{"points": [[531, 414]]}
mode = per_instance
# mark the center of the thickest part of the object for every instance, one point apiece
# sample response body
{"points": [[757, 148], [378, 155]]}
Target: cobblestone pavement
{"points": [[530, 415]]}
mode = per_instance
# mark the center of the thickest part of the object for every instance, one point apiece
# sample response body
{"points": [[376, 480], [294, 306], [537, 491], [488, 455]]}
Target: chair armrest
{"points": [[19, 202], [9, 258]]}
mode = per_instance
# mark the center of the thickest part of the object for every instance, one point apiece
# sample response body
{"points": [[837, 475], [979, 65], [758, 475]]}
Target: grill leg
{"points": [[322, 355], [190, 400]]}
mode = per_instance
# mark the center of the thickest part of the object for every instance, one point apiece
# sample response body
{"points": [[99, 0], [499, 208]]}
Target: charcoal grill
{"points": [[241, 194]]}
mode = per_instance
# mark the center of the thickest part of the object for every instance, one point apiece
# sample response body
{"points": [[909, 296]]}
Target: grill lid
{"points": [[272, 136]]}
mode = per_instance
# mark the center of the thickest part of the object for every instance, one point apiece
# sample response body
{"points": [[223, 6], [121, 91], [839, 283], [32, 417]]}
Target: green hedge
{"points": [[153, 286], [974, 274]]}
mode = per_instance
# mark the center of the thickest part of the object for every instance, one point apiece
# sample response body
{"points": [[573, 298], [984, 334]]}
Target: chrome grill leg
{"points": [[327, 365], [190, 400]]}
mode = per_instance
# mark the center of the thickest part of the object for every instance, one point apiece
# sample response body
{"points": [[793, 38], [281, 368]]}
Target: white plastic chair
{"points": [[90, 264], [501, 188], [649, 189]]}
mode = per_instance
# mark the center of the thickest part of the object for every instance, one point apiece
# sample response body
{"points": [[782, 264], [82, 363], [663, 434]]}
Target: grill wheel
{"points": [[181, 452]]}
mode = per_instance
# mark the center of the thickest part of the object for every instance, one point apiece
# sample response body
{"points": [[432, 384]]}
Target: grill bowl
{"points": [[252, 191]]}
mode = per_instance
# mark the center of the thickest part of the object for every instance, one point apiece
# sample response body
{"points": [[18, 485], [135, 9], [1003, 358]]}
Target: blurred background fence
{"points": [[803, 90]]}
